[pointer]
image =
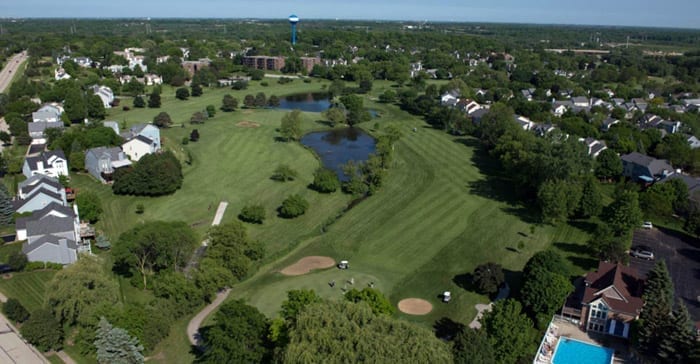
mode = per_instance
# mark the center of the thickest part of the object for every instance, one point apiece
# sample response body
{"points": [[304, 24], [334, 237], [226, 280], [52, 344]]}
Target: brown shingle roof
{"points": [[620, 286]]}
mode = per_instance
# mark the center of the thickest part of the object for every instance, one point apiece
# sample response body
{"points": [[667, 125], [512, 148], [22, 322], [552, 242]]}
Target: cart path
{"points": [[196, 322], [66, 359]]}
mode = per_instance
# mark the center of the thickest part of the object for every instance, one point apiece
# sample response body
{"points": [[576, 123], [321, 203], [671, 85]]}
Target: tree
{"points": [[43, 330], [229, 103], [260, 99], [17, 261], [608, 165], [230, 247], [254, 213], [194, 135], [153, 175], [284, 173], [162, 120], [138, 102], [330, 332], [77, 292], [678, 344], [133, 87], [388, 97], [76, 160], [198, 118], [290, 127], [5, 137], [379, 304], [335, 115], [297, 300], [509, 331], [14, 310], [95, 107], [89, 205], [496, 123], [154, 246], [658, 306], [102, 242], [210, 277], [488, 277], [623, 214], [293, 206], [115, 345], [608, 246], [273, 101], [591, 198], [75, 106], [356, 112], [471, 346], [544, 292], [154, 100], [249, 101], [238, 335], [6, 208], [196, 90], [211, 111], [325, 181], [182, 93], [548, 260]]}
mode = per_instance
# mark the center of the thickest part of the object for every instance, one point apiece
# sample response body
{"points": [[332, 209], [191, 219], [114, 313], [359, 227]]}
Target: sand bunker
{"points": [[248, 124], [415, 306], [307, 264]]}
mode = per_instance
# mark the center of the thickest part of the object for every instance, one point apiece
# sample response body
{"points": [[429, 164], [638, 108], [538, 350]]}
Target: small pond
{"points": [[312, 102], [338, 146]]}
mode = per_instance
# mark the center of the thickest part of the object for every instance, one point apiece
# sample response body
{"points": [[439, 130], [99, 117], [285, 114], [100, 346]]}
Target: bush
{"points": [[43, 330], [17, 261], [293, 206], [14, 310], [31, 266], [140, 208], [264, 84], [325, 181], [182, 93], [185, 140], [284, 173], [253, 214]]}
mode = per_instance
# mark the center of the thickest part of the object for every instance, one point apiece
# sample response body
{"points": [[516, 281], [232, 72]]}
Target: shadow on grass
{"points": [[585, 263], [446, 329], [584, 260], [572, 248], [585, 225], [514, 280], [497, 186], [465, 281]]}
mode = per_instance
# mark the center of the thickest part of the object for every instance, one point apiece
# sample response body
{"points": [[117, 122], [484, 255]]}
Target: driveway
{"points": [[682, 256]]}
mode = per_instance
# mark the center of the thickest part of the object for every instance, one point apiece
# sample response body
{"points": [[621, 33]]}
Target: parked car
{"points": [[642, 252], [647, 225]]}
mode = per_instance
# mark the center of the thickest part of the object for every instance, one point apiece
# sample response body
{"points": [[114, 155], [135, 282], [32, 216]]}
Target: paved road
{"points": [[11, 69], [196, 322]]}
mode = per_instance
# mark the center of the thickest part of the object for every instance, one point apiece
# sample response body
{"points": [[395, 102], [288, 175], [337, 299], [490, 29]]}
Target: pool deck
{"points": [[563, 328]]}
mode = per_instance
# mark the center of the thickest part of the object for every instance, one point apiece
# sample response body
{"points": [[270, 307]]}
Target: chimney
{"points": [[40, 166]]}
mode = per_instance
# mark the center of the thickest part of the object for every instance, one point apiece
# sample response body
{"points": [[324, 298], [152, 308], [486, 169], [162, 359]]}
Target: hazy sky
{"points": [[668, 13]]}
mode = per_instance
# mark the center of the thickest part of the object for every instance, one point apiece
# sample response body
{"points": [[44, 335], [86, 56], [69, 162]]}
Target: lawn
{"points": [[437, 217], [29, 288]]}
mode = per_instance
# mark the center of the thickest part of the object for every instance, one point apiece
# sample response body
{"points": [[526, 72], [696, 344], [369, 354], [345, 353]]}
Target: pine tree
{"points": [[677, 343], [658, 299], [6, 209], [115, 345]]}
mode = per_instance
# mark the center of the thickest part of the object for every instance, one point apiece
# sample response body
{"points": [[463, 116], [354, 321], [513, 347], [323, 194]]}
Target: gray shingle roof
{"points": [[113, 152], [655, 166], [47, 239], [21, 222], [50, 225], [33, 180], [40, 126], [44, 157], [48, 182]]}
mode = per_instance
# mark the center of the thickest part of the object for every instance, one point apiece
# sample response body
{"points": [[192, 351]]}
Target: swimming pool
{"points": [[570, 351]]}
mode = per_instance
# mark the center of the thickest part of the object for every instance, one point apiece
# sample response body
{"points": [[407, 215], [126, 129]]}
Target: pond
{"points": [[312, 102], [339, 146]]}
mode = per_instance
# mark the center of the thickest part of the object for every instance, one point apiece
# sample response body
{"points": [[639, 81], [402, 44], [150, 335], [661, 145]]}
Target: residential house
{"points": [[52, 164], [693, 141], [39, 181], [524, 122], [52, 209], [641, 104], [39, 199], [37, 130], [608, 123], [594, 146], [468, 106], [101, 162], [450, 98], [650, 121], [607, 301], [193, 66], [150, 131], [112, 125], [54, 237], [543, 129], [416, 68], [48, 113], [671, 127], [151, 79], [84, 62], [581, 101], [528, 94], [105, 93], [693, 185], [139, 146], [60, 74], [560, 107], [478, 114], [640, 167]]}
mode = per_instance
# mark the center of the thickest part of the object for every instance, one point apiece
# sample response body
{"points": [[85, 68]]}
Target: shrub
{"points": [[253, 213], [43, 330], [182, 93], [293, 206], [325, 181], [14, 310], [17, 261], [140, 208], [284, 173]]}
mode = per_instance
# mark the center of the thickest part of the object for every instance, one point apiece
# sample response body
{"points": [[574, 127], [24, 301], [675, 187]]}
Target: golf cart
{"points": [[343, 264], [446, 296]]}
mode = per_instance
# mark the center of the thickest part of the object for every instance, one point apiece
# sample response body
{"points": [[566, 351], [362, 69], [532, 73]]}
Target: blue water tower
{"points": [[293, 20]]}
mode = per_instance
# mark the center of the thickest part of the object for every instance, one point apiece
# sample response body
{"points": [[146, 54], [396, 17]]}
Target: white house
{"points": [[150, 131], [449, 98], [52, 164], [524, 122], [60, 74], [139, 146], [105, 93], [594, 146]]}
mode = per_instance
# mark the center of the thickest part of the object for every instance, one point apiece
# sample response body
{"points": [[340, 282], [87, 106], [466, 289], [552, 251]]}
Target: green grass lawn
{"points": [[437, 218], [29, 288]]}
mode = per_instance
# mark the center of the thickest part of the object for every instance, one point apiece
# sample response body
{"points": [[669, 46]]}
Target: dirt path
{"points": [[66, 359], [196, 322]]}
